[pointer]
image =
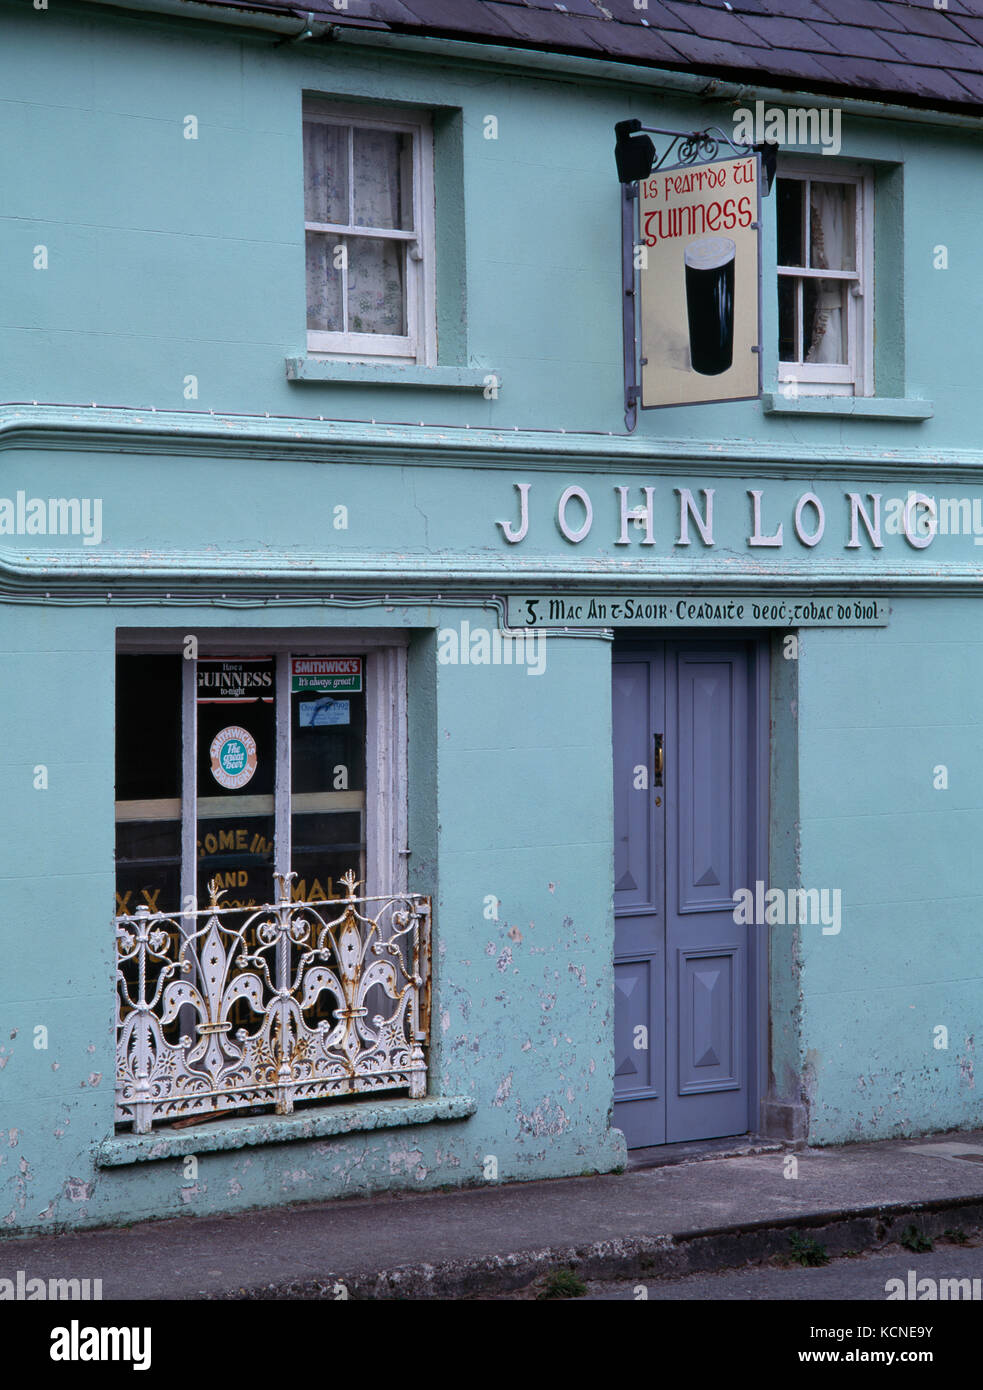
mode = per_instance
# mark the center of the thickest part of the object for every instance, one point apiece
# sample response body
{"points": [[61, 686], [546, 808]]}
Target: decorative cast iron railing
{"points": [[227, 1008]]}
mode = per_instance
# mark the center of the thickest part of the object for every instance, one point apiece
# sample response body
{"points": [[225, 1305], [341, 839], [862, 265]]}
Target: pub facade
{"points": [[424, 762]]}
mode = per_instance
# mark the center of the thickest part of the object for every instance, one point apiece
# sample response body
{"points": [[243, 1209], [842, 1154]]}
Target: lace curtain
{"points": [[831, 248], [378, 197]]}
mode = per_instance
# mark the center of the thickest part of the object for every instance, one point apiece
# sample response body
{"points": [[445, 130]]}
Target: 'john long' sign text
{"points": [[856, 520]]}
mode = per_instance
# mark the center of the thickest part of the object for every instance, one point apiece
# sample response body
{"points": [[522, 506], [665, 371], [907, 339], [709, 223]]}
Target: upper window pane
{"points": [[791, 222], [832, 226], [383, 196], [326, 172], [148, 696]]}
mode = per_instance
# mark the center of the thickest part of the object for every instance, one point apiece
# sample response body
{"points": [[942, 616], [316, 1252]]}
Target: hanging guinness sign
{"points": [[698, 260]]}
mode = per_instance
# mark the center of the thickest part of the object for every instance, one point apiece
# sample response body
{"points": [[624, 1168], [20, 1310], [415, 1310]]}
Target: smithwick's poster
{"points": [[699, 282], [326, 675]]}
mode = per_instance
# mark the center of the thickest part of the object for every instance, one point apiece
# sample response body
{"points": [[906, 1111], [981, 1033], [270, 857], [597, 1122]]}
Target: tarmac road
{"points": [[862, 1277]]}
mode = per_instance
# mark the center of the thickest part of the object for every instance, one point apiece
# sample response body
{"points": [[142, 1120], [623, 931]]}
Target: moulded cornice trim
{"points": [[95, 428]]}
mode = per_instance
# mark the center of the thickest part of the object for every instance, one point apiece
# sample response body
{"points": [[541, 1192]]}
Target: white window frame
{"points": [[419, 345], [856, 376]]}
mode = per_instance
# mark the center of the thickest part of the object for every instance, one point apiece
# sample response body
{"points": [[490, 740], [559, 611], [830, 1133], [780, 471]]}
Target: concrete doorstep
{"points": [[697, 1216]]}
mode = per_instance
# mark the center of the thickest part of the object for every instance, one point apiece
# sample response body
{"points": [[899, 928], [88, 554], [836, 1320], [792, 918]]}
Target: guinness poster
{"points": [[236, 778], [699, 274]]}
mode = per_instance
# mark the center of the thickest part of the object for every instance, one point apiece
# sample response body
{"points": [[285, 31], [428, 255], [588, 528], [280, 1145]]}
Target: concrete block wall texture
{"points": [[170, 257]]}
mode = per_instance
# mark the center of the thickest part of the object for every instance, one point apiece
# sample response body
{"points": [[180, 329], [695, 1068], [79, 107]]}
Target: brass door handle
{"points": [[658, 765]]}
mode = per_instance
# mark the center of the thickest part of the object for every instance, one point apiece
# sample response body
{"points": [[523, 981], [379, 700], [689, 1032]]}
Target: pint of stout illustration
{"points": [[710, 303]]}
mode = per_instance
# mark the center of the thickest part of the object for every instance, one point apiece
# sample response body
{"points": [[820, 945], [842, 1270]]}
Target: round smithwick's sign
{"points": [[233, 755]]}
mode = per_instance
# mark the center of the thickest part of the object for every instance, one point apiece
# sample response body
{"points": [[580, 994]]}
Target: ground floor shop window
{"points": [[266, 956], [276, 755]]}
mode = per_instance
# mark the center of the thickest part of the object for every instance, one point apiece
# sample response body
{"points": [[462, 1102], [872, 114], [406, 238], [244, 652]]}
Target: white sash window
{"points": [[368, 195], [825, 281]]}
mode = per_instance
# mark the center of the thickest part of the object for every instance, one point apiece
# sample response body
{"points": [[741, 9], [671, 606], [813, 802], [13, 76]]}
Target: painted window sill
{"points": [[856, 407], [245, 1131], [326, 369]]}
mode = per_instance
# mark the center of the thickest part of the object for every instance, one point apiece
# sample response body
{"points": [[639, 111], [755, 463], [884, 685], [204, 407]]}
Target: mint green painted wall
{"points": [[878, 713], [172, 257]]}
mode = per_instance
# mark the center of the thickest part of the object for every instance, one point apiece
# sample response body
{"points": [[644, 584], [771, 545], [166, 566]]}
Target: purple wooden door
{"points": [[684, 841]]}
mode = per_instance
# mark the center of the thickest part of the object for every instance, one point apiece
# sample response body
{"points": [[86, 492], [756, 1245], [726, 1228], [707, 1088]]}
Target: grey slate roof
{"points": [[902, 50]]}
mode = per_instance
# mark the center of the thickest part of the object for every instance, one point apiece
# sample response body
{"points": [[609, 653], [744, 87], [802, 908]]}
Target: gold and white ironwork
{"points": [[224, 1008]]}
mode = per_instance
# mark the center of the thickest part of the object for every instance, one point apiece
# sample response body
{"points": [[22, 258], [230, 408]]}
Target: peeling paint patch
{"points": [[12, 1136], [966, 1070], [445, 1020], [78, 1191], [504, 1090], [580, 973], [407, 1160], [505, 959], [94, 1078], [548, 1118]]}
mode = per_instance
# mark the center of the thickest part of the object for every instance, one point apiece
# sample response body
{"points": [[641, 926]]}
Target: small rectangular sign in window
{"points": [[326, 675]]}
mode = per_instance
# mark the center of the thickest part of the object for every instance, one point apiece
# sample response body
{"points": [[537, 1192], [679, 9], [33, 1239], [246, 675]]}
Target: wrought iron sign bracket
{"points": [[636, 157]]}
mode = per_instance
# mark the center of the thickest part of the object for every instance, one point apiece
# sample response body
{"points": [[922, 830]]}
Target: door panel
{"points": [[708, 836], [639, 880], [636, 875], [709, 1051], [681, 960]]}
